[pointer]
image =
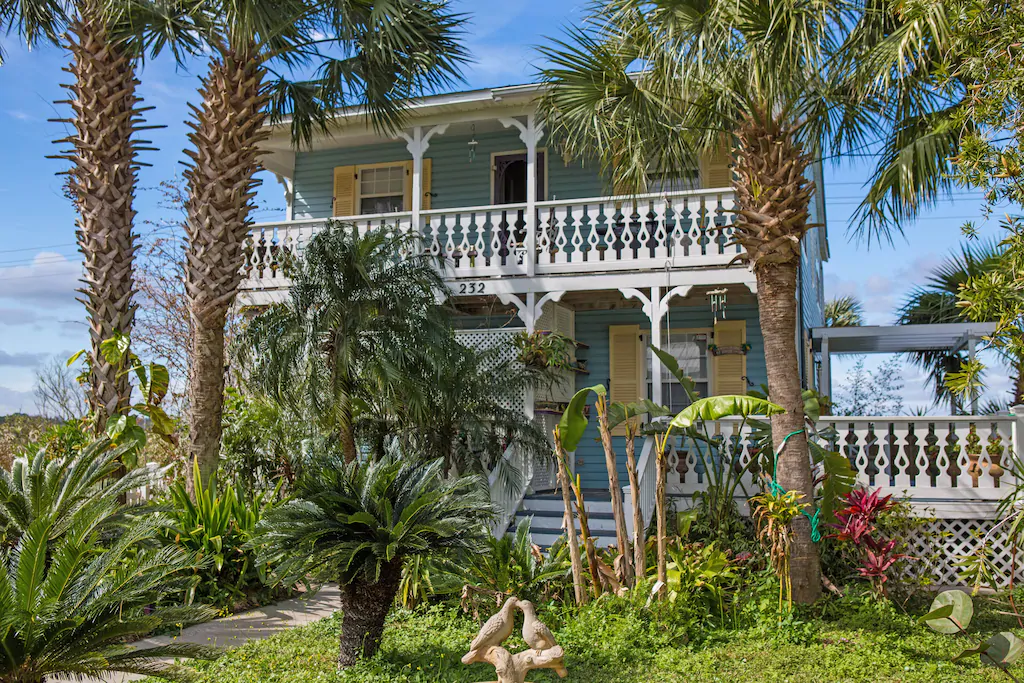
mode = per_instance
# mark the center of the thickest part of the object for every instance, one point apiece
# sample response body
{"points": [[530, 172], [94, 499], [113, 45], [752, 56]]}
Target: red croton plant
{"points": [[855, 523]]}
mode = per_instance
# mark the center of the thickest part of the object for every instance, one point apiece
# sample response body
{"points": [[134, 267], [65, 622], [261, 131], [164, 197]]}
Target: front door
{"points": [[510, 178]]}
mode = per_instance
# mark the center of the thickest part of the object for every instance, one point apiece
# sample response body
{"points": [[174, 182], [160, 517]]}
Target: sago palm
{"points": [[358, 523], [44, 486], [936, 302], [69, 608], [759, 78], [376, 54], [358, 314]]}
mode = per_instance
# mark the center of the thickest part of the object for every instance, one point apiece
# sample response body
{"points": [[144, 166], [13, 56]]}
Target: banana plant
{"points": [[153, 383]]}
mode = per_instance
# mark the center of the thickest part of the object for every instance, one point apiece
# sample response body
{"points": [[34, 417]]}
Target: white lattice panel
{"points": [[954, 538], [501, 339]]}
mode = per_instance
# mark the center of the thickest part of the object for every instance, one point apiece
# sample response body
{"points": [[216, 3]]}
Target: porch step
{"points": [[546, 512]]}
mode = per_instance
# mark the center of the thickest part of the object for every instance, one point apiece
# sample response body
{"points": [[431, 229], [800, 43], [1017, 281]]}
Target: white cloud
{"points": [[20, 115], [49, 280], [19, 316], [21, 360], [14, 401]]}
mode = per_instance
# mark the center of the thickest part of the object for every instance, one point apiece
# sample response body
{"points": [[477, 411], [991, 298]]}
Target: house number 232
{"points": [[471, 288]]}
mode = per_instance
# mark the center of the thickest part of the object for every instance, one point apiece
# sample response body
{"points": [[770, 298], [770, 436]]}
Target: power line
{"points": [[51, 246]]}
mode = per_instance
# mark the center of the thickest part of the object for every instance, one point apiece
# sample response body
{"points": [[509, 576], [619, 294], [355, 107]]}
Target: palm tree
{"points": [[357, 524], [357, 316], [844, 311], [458, 409], [758, 78], [389, 50], [105, 41], [936, 302]]}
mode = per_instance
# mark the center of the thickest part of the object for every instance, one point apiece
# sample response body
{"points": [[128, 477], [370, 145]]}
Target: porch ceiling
{"points": [[899, 338]]}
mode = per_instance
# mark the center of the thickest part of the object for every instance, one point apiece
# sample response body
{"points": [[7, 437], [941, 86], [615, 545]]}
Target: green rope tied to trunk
{"points": [[777, 490]]}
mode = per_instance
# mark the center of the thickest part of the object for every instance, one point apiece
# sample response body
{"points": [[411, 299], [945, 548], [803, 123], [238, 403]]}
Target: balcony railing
{"points": [[578, 236]]}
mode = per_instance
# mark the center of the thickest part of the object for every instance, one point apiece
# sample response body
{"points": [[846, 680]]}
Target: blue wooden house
{"points": [[533, 241]]}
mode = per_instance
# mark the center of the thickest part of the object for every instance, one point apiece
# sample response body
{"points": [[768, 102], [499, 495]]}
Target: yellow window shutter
{"points": [[428, 170], [731, 366], [407, 188], [715, 170], [626, 366], [344, 191]]}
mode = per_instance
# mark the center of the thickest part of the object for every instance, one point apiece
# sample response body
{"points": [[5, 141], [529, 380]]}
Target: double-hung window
{"points": [[382, 189], [690, 349]]}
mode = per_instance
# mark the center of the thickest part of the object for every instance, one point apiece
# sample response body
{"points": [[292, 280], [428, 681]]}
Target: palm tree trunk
{"points": [[364, 608], [102, 180], [1018, 384], [773, 198], [639, 531], [221, 182], [621, 535]]}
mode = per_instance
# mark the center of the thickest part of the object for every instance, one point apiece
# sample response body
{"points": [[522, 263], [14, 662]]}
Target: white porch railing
{"points": [[951, 467], [599, 234]]}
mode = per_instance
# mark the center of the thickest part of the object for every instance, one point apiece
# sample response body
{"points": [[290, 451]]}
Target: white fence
{"points": [[597, 234], [949, 468]]}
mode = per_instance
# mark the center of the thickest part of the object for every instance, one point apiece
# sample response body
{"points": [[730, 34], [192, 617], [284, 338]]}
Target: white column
{"points": [[1017, 429], [531, 195], [826, 368], [417, 144], [658, 311], [530, 134], [417, 148]]}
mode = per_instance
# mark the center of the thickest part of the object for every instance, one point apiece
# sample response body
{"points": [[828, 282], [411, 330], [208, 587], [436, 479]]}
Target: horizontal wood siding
{"points": [[455, 180], [314, 173], [592, 329]]}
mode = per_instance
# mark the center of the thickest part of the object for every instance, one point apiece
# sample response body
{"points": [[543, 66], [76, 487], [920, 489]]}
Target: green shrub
{"points": [[218, 526]]}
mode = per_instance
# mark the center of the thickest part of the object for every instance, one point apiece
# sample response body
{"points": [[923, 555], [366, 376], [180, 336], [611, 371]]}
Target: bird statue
{"points": [[494, 632], [536, 634]]}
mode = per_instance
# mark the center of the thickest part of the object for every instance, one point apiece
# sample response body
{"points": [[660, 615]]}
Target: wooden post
{"points": [[570, 523]]}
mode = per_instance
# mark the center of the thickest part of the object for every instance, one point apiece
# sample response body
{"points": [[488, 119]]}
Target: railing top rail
{"points": [[362, 218], [632, 197], [475, 209], [913, 418]]}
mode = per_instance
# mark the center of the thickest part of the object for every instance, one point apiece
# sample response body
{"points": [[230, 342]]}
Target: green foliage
{"points": [[80, 576], [360, 312], [700, 570], [152, 382], [545, 350], [717, 407], [261, 443], [346, 521], [513, 565], [617, 639], [574, 420], [951, 612], [216, 524], [41, 487], [844, 311]]}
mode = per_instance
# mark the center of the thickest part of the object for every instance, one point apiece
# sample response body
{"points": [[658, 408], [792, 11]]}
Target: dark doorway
{"points": [[510, 178]]}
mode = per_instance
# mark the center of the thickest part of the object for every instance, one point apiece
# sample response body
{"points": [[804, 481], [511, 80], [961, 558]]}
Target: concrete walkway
{"points": [[256, 624]]}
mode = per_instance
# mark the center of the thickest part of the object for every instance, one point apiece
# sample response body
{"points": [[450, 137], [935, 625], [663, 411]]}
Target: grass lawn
{"points": [[846, 640]]}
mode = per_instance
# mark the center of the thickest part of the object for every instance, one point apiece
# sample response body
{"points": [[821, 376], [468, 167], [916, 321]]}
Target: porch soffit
{"points": [[899, 338]]}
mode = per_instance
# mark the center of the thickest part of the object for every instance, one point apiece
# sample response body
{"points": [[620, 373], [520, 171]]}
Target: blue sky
{"points": [[39, 316]]}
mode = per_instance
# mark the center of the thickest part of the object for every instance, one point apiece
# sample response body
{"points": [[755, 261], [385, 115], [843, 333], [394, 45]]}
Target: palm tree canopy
{"points": [[360, 310], [844, 311], [320, 57], [348, 521], [936, 302], [651, 84]]}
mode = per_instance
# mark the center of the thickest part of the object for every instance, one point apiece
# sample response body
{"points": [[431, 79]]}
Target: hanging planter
{"points": [[544, 350], [741, 350]]}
